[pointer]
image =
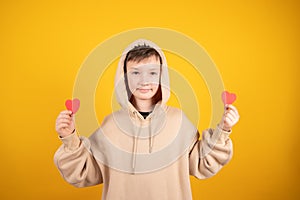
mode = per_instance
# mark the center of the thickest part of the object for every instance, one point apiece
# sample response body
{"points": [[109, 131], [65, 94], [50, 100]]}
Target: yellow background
{"points": [[255, 45]]}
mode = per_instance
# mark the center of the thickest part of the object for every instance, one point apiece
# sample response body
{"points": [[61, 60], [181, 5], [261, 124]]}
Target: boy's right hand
{"points": [[65, 123]]}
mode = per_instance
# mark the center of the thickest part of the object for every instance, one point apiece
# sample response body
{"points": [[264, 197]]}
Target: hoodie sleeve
{"points": [[208, 155], [76, 163]]}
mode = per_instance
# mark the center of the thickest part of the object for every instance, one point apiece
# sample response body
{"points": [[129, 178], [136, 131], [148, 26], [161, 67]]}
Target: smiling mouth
{"points": [[142, 90]]}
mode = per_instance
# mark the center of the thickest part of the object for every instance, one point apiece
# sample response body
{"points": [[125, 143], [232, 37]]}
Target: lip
{"points": [[144, 90]]}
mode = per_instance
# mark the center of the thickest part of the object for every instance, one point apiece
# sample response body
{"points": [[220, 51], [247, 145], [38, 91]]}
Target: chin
{"points": [[144, 97]]}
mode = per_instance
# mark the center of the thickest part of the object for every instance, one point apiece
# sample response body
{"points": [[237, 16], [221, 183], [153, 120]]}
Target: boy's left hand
{"points": [[229, 118]]}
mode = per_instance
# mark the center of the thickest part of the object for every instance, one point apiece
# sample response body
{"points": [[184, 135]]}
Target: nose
{"points": [[144, 80]]}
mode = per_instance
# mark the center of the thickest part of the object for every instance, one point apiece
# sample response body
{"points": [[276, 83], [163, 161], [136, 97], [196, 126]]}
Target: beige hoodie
{"points": [[137, 158]]}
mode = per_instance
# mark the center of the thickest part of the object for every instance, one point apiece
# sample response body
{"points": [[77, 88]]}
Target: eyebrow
{"points": [[152, 68]]}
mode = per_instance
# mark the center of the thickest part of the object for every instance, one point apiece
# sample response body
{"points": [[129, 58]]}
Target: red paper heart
{"points": [[228, 98], [73, 105]]}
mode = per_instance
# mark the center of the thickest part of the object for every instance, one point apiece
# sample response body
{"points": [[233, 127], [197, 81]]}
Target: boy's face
{"points": [[143, 78]]}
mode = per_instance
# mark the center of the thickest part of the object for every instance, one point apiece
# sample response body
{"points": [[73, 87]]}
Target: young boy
{"points": [[146, 150]]}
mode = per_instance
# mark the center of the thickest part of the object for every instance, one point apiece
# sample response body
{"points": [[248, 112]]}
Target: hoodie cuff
{"points": [[223, 134], [71, 142]]}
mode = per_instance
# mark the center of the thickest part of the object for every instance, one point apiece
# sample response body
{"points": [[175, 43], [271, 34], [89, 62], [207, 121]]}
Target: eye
{"points": [[135, 73], [153, 73]]}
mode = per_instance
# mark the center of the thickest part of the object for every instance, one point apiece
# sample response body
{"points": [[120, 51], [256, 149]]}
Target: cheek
{"points": [[132, 83], [154, 80], [155, 87]]}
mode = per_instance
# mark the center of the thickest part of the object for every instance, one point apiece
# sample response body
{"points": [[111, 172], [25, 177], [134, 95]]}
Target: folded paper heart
{"points": [[228, 98], [73, 105]]}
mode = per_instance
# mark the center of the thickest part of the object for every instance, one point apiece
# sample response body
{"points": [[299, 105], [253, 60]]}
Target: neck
{"points": [[143, 105]]}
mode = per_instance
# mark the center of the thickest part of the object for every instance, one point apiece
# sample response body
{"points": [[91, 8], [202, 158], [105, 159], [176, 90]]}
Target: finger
{"points": [[60, 117], [63, 122], [226, 124], [66, 121], [233, 114], [65, 115], [235, 117], [230, 115], [62, 126], [229, 122], [66, 112], [232, 120], [231, 107]]}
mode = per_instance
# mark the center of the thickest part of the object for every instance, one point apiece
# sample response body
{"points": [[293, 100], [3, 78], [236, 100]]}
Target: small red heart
{"points": [[228, 98], [73, 105]]}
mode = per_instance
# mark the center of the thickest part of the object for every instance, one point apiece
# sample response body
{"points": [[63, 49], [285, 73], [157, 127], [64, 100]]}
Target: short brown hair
{"points": [[141, 52]]}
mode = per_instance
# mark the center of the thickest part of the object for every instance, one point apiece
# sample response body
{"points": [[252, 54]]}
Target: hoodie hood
{"points": [[120, 87]]}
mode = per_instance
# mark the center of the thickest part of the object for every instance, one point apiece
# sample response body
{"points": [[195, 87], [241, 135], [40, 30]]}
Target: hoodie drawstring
{"points": [[135, 140], [134, 152], [151, 137]]}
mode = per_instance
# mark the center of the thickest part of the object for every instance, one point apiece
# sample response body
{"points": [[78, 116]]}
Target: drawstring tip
{"points": [[151, 144], [133, 168], [133, 162]]}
